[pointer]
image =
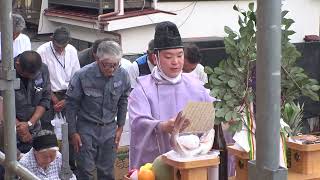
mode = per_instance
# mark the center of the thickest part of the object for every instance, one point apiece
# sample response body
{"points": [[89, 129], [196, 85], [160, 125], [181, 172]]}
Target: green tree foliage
{"points": [[292, 114], [233, 81]]}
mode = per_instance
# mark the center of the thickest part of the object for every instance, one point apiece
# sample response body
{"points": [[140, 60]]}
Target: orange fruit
{"points": [[146, 174]]}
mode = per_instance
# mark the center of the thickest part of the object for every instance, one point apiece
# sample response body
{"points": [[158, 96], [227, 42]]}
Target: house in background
{"points": [[133, 21]]}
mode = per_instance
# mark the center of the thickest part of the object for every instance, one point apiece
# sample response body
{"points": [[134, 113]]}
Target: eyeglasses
{"points": [[113, 66]]}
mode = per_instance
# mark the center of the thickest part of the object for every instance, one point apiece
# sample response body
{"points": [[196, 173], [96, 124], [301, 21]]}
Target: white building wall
{"points": [[306, 14], [135, 40], [208, 18]]}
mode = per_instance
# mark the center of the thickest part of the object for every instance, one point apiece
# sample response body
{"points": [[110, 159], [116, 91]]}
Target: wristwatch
{"points": [[30, 124]]}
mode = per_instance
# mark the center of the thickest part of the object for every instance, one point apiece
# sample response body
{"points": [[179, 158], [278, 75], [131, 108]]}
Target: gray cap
{"points": [[61, 35]]}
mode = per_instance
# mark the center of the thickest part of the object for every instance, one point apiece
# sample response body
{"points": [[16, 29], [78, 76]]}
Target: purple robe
{"points": [[151, 102]]}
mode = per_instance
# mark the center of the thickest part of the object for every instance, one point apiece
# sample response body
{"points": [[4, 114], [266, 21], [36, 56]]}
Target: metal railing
{"points": [[19, 170]]}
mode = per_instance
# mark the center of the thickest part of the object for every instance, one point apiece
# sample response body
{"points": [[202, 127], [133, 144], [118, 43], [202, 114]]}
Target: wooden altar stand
{"points": [[241, 160], [305, 159], [305, 162], [191, 170]]}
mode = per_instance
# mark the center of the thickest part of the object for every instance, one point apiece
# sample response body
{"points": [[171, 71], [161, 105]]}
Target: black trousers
{"points": [[46, 124], [49, 115]]}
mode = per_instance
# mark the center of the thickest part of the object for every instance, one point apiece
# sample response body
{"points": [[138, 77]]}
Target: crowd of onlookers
{"points": [[90, 89]]}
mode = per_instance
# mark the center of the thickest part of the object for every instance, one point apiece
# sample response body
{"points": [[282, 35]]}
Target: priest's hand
{"points": [[179, 123], [186, 123], [76, 142], [118, 136], [167, 126]]}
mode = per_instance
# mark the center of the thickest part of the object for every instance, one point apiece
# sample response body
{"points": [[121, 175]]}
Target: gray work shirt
{"points": [[94, 98], [34, 92]]}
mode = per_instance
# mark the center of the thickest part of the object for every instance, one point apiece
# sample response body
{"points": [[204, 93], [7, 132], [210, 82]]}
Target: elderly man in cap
{"points": [[62, 61], [44, 159], [21, 42], [97, 94], [154, 104]]}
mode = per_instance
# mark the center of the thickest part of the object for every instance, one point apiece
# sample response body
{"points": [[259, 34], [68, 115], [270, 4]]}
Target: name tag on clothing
{"points": [[38, 89], [38, 82]]}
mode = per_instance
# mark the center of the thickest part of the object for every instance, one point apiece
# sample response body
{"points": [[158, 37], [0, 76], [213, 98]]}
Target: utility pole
{"points": [[268, 95]]}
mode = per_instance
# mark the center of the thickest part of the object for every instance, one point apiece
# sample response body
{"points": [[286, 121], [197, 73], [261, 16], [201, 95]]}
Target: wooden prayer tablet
{"points": [[201, 116]]}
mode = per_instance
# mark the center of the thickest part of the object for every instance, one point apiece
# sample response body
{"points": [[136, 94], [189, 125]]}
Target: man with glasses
{"points": [[33, 97], [97, 94], [88, 56], [62, 61]]}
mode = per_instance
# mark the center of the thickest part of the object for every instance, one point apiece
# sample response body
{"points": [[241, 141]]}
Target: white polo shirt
{"points": [[61, 67], [20, 44], [199, 73], [125, 64]]}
